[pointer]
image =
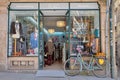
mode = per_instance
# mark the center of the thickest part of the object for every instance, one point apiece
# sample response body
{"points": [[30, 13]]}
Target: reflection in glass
{"points": [[84, 35]]}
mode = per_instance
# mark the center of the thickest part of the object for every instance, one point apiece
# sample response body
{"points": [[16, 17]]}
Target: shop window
{"points": [[84, 6], [24, 6], [23, 33], [84, 35]]}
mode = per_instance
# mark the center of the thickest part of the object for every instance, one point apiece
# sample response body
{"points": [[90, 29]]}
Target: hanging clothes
{"points": [[34, 40]]}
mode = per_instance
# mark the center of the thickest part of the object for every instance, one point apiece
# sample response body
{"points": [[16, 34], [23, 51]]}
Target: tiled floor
{"points": [[55, 66]]}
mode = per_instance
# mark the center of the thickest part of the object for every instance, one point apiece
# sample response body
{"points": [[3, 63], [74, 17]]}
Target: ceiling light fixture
{"points": [[61, 24], [51, 31]]}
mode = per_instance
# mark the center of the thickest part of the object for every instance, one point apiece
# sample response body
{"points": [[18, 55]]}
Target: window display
{"points": [[16, 32], [23, 34], [84, 35]]}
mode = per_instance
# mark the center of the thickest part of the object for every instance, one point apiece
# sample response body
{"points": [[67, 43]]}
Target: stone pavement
{"points": [[31, 76]]}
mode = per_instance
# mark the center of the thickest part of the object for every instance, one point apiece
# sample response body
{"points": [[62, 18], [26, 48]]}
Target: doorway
{"points": [[54, 19], [54, 39]]}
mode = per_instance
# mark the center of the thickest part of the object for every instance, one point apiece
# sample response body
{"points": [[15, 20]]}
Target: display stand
{"points": [[15, 51]]}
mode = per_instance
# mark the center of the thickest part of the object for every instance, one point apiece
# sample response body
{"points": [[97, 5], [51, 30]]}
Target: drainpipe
{"points": [[111, 41]]}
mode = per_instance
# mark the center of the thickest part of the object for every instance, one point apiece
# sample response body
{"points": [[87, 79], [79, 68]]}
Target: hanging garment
{"points": [[33, 40], [16, 28], [23, 44], [93, 46]]}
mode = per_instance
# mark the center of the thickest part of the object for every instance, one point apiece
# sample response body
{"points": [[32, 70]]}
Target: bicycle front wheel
{"points": [[72, 66], [99, 67]]}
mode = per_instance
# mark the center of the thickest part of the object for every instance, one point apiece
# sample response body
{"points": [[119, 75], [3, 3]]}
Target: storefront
{"points": [[75, 26], [17, 51]]}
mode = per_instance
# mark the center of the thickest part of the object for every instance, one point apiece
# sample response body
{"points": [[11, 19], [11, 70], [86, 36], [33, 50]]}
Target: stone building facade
{"points": [[116, 31], [5, 61]]}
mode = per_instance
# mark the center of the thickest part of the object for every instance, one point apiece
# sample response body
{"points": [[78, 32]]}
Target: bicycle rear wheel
{"points": [[99, 66], [72, 66]]}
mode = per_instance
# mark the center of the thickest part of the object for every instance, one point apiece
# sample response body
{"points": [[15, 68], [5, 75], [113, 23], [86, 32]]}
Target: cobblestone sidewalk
{"points": [[28, 76]]}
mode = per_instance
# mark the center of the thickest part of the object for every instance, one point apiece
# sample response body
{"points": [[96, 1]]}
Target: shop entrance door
{"points": [[54, 24], [59, 37]]}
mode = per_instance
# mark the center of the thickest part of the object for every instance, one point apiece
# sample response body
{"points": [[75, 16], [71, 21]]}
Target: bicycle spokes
{"points": [[72, 66], [99, 68]]}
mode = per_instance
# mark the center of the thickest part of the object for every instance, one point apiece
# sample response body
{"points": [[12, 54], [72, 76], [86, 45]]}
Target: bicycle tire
{"points": [[72, 66], [99, 69]]}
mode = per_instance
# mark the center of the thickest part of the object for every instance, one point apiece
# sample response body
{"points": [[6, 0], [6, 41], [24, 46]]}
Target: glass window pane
{"points": [[94, 13], [23, 33], [24, 6], [85, 34], [84, 6]]}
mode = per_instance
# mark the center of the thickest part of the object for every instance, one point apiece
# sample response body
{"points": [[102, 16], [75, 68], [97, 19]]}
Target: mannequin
{"points": [[34, 41], [16, 31]]}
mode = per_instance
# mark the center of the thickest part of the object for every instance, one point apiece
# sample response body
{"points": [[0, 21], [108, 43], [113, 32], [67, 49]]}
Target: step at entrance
{"points": [[50, 73]]}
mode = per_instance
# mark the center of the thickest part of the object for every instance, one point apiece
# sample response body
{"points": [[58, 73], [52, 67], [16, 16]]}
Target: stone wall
{"points": [[116, 23], [3, 36], [23, 63], [103, 25], [116, 38]]}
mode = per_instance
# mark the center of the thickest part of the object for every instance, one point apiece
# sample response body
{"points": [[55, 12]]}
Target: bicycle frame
{"points": [[88, 66], [74, 65]]}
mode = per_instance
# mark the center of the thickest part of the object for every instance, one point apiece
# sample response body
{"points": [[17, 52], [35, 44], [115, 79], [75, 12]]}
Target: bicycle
{"points": [[75, 64]]}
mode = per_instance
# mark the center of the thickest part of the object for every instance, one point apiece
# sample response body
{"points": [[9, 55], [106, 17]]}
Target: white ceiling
{"points": [[54, 6], [54, 12]]}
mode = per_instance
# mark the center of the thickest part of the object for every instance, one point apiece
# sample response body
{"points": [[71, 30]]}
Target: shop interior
{"points": [[54, 33], [54, 41]]}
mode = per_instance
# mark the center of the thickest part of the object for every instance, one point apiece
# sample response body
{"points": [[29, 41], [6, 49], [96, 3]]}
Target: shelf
{"points": [[79, 41]]}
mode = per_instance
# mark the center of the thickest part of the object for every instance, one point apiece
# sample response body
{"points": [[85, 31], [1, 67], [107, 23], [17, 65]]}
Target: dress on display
{"points": [[16, 31]]}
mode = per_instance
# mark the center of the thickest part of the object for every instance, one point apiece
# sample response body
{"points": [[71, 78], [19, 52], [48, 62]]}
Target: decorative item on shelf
{"points": [[41, 24], [61, 24], [84, 39], [74, 32], [96, 33], [51, 31]]}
